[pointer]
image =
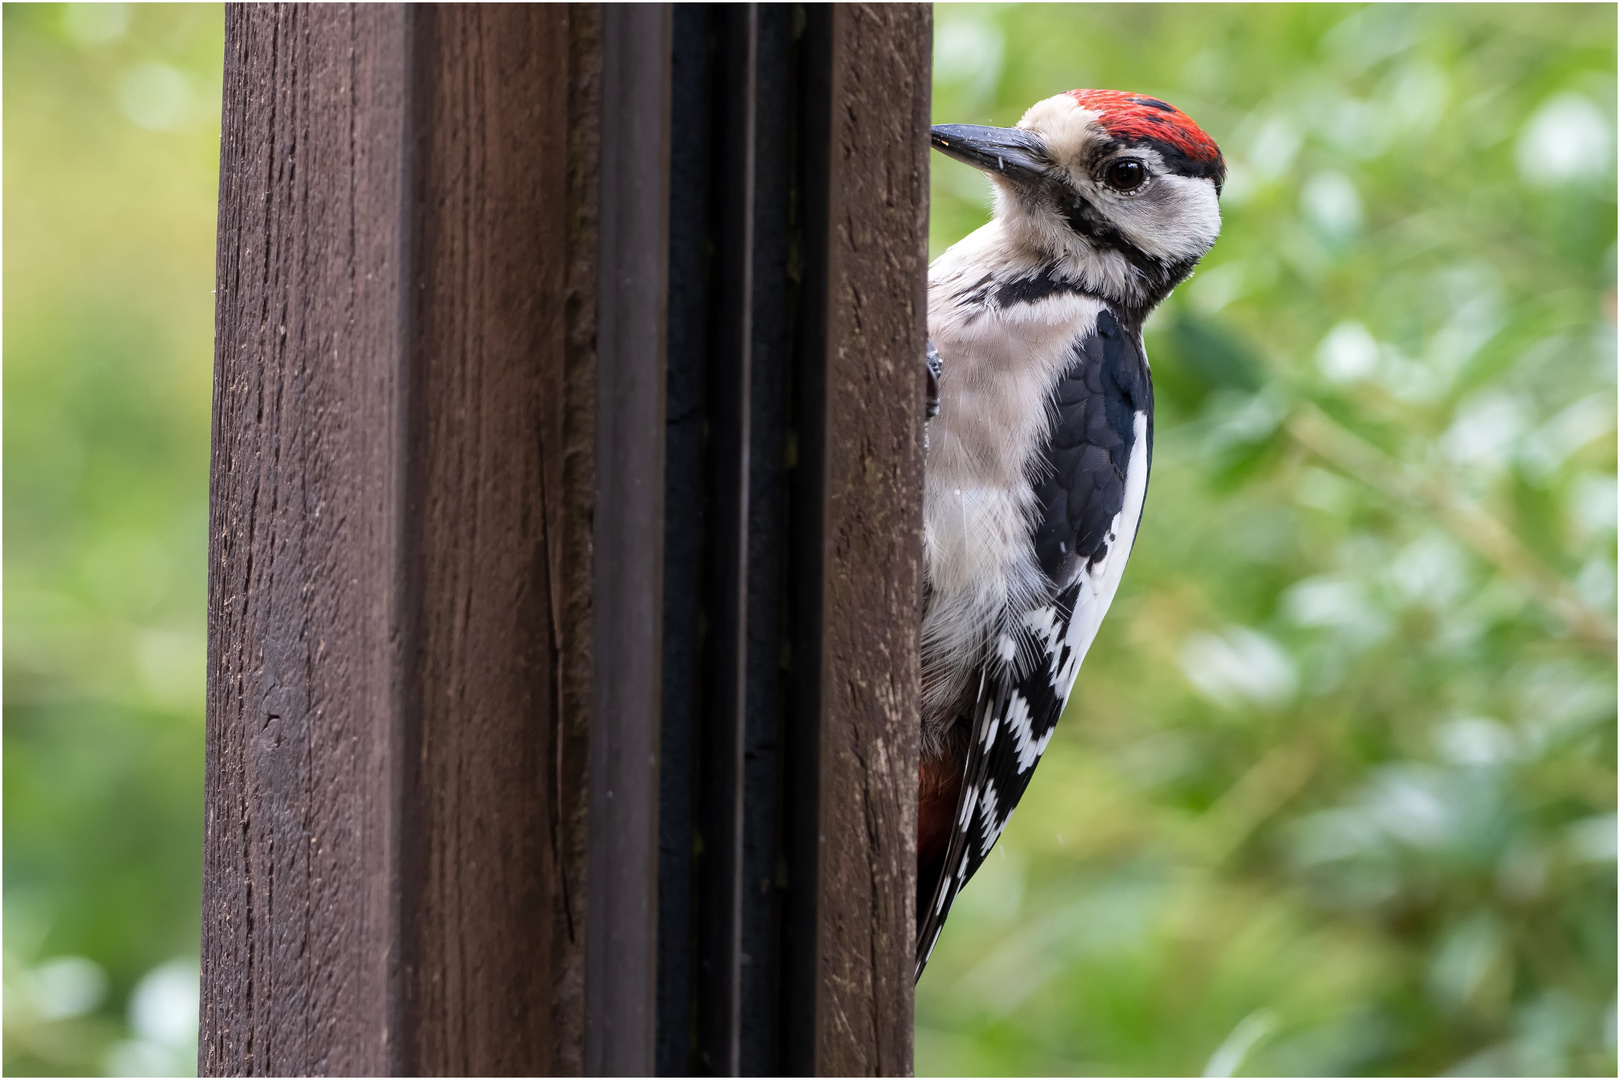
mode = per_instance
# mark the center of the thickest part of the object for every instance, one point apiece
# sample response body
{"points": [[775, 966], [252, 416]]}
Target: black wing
{"points": [[1081, 478]]}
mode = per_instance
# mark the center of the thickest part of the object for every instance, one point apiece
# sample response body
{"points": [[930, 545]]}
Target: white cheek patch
{"points": [[1179, 219]]}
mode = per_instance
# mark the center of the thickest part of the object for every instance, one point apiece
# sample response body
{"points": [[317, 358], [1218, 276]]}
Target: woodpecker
{"points": [[1038, 454]]}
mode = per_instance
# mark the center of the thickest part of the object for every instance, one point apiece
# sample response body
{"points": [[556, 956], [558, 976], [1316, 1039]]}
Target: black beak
{"points": [[1014, 153]]}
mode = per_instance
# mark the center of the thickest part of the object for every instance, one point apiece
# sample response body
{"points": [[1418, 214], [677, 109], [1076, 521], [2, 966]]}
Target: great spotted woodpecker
{"points": [[1037, 459]]}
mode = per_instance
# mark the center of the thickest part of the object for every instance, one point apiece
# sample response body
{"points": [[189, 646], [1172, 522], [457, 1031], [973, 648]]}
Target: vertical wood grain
{"points": [[877, 230], [299, 927], [399, 580], [501, 436], [401, 573]]}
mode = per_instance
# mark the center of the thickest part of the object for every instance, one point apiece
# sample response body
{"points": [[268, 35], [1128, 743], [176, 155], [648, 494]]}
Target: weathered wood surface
{"points": [[871, 674], [399, 576]]}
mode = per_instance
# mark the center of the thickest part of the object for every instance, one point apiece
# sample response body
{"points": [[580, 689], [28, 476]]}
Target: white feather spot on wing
{"points": [[988, 805], [1043, 622], [990, 730], [968, 803], [1056, 636], [1021, 727]]}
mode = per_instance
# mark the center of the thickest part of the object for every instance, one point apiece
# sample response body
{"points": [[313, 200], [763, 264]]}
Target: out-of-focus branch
{"points": [[1254, 799], [1472, 524]]}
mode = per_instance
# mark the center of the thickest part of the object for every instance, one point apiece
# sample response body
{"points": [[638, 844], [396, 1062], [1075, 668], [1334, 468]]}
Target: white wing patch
{"points": [[1098, 581]]}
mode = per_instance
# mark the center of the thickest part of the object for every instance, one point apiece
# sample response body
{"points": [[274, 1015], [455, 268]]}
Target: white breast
{"points": [[1000, 366]]}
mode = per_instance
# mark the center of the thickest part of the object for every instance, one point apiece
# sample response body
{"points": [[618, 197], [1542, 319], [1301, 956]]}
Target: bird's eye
{"points": [[1126, 174]]}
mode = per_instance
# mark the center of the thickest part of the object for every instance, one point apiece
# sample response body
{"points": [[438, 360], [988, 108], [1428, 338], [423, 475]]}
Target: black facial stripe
{"points": [[1158, 276], [1084, 219]]}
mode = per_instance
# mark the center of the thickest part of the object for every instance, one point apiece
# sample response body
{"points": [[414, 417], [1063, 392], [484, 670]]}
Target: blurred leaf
{"points": [[111, 159], [1335, 793], [1193, 356]]}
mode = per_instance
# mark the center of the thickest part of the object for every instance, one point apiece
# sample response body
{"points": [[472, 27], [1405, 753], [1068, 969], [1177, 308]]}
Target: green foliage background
{"points": [[111, 157], [1337, 790]]}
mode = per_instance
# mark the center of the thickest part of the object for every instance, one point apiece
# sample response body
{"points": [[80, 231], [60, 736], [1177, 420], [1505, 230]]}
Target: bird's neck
{"points": [[1122, 276]]}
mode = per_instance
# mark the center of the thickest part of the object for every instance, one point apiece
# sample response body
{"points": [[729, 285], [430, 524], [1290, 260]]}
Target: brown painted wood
{"points": [[399, 580], [401, 577], [876, 336]]}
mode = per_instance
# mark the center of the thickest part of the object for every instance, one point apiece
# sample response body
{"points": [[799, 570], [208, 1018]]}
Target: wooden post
{"points": [[792, 538], [399, 580], [877, 257], [563, 659]]}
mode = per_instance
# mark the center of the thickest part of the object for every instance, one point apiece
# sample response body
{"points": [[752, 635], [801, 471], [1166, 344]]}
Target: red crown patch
{"points": [[1137, 117]]}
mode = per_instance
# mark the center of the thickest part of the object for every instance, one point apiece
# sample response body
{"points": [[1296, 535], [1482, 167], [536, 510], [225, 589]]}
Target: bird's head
{"points": [[1120, 191]]}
